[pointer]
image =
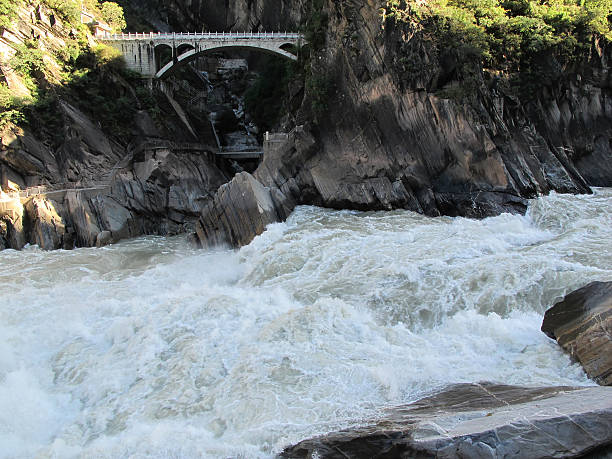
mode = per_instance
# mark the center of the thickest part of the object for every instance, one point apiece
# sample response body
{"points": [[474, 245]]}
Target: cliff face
{"points": [[393, 129], [388, 138], [384, 125], [212, 15], [103, 181]]}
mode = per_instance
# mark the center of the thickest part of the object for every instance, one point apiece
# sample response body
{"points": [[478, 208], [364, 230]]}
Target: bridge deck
{"points": [[202, 36], [140, 50]]}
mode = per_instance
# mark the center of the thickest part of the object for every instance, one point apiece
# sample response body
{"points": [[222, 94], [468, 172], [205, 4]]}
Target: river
{"points": [[149, 348]]}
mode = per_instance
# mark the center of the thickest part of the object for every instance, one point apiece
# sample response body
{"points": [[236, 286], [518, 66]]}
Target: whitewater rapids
{"points": [[149, 348]]}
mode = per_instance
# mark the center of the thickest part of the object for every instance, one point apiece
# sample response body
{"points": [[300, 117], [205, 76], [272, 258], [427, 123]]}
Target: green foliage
{"points": [[8, 12], [530, 39], [509, 32], [67, 10], [318, 87], [109, 57], [29, 63], [93, 79], [112, 13], [11, 107], [92, 6]]}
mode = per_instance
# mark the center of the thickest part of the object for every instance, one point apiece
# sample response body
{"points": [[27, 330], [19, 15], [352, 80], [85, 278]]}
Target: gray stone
{"points": [[83, 218], [12, 231], [240, 210], [478, 421], [582, 324], [47, 227], [104, 238]]}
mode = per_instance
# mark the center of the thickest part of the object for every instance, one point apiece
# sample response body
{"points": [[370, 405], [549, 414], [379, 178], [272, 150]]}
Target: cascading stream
{"points": [[150, 348]]}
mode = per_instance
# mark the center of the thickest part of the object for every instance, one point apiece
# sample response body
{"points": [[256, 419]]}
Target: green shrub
{"points": [[316, 25], [113, 15], [67, 10], [530, 39], [8, 12], [109, 57], [318, 87], [11, 107], [264, 99], [29, 63]]}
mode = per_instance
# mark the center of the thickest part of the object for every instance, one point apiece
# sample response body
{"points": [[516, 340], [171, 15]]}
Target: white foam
{"points": [[151, 349]]}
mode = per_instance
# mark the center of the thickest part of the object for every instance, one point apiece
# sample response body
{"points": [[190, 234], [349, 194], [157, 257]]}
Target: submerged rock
{"points": [[241, 210], [478, 421], [582, 324]]}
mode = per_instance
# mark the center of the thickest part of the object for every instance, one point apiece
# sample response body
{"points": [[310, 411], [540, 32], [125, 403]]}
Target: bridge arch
{"points": [[153, 55], [183, 48], [194, 53], [163, 55]]}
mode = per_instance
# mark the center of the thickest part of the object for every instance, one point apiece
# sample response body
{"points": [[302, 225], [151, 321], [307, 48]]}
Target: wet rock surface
{"points": [[582, 325], [476, 421], [241, 210]]}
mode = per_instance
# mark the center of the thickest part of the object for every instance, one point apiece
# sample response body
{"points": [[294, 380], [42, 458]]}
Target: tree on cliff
{"points": [[113, 15]]}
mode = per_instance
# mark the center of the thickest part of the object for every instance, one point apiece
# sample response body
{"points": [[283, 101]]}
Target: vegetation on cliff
{"points": [[531, 40], [70, 68], [8, 12]]}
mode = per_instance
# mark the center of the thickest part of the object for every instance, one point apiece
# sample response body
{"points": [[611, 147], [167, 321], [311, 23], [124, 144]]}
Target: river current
{"points": [[149, 348]]}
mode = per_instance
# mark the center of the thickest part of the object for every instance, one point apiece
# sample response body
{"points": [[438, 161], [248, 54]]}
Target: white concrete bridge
{"points": [[143, 52]]}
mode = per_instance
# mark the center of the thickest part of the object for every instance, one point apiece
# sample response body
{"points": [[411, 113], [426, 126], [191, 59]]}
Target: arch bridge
{"points": [[143, 51]]}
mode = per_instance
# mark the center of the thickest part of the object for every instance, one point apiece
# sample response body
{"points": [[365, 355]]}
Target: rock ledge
{"points": [[478, 421], [582, 324]]}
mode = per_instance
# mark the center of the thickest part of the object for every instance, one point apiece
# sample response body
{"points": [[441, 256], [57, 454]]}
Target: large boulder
{"points": [[241, 210], [478, 421], [582, 324], [47, 227], [12, 231]]}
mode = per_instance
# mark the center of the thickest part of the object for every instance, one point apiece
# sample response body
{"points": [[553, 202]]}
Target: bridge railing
{"points": [[204, 36]]}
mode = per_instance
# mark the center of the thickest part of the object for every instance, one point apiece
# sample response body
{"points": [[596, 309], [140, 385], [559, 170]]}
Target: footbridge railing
{"points": [[201, 36]]}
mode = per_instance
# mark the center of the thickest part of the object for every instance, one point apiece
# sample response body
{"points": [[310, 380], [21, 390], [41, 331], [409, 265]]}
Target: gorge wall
{"points": [[118, 160], [389, 137], [236, 15], [394, 126]]}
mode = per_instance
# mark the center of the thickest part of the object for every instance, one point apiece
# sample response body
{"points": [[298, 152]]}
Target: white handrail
{"points": [[204, 35]]}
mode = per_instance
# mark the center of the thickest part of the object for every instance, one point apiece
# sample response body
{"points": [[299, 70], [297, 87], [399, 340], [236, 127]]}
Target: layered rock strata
{"points": [[582, 324], [476, 421], [387, 134], [241, 210]]}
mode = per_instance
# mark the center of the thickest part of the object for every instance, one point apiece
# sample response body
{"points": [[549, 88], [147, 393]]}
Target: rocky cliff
{"points": [[190, 15], [401, 121], [476, 421], [115, 159], [391, 116], [390, 137], [582, 325]]}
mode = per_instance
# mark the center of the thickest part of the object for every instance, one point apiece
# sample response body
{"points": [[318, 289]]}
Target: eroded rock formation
{"points": [[388, 134], [381, 129], [241, 210], [478, 420], [582, 324]]}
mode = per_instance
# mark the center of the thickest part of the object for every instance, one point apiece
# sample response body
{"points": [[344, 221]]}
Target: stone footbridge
{"points": [[154, 55]]}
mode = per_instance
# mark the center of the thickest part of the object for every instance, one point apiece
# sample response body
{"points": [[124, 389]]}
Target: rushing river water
{"points": [[149, 348]]}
